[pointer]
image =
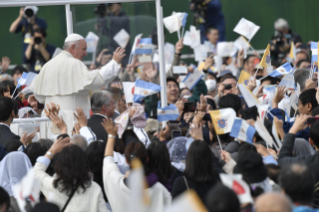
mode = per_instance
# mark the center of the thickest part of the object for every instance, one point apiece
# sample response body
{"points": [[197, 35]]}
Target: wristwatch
{"points": [[50, 154], [111, 136]]}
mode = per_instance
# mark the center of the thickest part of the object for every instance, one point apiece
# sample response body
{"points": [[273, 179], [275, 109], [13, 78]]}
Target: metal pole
{"points": [[38, 119], [68, 16], [160, 38]]}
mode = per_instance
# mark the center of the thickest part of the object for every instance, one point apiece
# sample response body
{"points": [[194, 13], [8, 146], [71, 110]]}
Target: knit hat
{"points": [[252, 167]]}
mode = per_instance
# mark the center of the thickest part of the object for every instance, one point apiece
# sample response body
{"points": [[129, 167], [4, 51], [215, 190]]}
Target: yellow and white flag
{"points": [[292, 54], [244, 78], [223, 120], [266, 61]]}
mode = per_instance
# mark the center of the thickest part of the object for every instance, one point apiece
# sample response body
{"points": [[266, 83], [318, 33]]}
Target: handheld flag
{"points": [[249, 97], [187, 202], [192, 79], [244, 78], [122, 38], [168, 113], [314, 52], [129, 91], [143, 89], [263, 132], [29, 187], [262, 111], [172, 23], [139, 199], [226, 49], [274, 132], [266, 61], [292, 54], [282, 70], [223, 120], [288, 81], [238, 185], [22, 80], [242, 130], [92, 41], [241, 43], [184, 19], [246, 28]]}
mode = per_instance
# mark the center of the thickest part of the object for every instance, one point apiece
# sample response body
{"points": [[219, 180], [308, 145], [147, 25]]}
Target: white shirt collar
{"points": [[5, 125], [99, 114]]}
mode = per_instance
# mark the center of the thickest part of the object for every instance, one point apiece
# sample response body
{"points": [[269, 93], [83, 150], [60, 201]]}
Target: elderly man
{"points": [[102, 105], [66, 81]]}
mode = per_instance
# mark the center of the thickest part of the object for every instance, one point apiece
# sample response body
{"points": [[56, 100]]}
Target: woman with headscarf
{"points": [[12, 169], [303, 148]]}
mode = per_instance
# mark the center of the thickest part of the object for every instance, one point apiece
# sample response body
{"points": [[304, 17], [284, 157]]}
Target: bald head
{"points": [[76, 46], [274, 202]]}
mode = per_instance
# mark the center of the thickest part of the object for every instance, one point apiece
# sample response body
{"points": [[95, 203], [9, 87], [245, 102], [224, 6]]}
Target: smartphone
{"points": [[40, 106], [189, 107], [312, 120], [176, 133], [209, 54]]}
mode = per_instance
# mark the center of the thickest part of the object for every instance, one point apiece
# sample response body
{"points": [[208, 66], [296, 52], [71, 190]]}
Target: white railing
{"points": [[37, 119]]}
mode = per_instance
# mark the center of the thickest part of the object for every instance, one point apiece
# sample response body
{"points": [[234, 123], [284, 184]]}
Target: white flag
{"points": [[226, 49], [91, 41], [263, 132], [246, 28], [129, 91], [122, 38]]}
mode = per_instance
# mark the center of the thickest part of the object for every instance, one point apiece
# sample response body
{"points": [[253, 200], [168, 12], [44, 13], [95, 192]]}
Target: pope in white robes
{"points": [[66, 81]]}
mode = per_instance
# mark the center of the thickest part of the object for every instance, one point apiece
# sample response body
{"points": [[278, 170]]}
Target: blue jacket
{"points": [[287, 125]]}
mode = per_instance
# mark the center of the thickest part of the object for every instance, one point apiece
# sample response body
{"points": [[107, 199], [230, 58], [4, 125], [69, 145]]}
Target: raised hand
{"points": [[209, 62], [59, 145], [198, 118], [196, 132], [5, 64], [51, 109], [26, 139], [118, 55], [225, 156], [179, 46], [202, 106], [278, 96], [80, 116], [109, 127], [163, 133], [59, 122]]}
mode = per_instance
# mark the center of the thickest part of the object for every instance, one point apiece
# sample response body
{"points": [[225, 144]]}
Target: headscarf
{"points": [[12, 169], [303, 148]]}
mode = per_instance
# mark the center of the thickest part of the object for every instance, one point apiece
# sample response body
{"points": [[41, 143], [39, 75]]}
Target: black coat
{"points": [[94, 123], [6, 135]]}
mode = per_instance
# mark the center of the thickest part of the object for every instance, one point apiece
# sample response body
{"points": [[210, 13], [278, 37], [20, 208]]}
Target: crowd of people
{"points": [[85, 155]]}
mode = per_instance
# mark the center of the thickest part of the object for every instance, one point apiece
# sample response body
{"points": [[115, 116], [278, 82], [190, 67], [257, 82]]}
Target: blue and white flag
{"points": [[22, 80], [314, 52], [168, 113], [184, 21], [143, 51], [242, 130], [145, 41], [282, 70], [143, 89]]}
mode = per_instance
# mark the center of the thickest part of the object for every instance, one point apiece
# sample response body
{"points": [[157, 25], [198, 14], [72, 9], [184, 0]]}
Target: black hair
{"points": [[314, 133], [309, 96], [230, 101], [244, 147], [46, 143], [199, 162], [222, 199], [41, 31], [172, 79], [4, 198], [95, 155], [72, 170], [4, 86], [248, 57], [15, 107], [307, 57], [45, 206], [301, 61], [298, 182], [159, 161], [275, 63], [273, 80], [136, 149], [315, 111], [18, 69], [35, 150], [249, 113], [209, 29], [273, 172], [13, 145], [227, 77], [300, 77], [6, 108], [63, 136]]}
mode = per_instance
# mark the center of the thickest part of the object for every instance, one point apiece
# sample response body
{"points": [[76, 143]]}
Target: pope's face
{"points": [[80, 50]]}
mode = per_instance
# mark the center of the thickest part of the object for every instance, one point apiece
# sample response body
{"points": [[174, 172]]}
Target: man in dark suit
{"points": [[102, 105], [6, 117], [312, 162]]}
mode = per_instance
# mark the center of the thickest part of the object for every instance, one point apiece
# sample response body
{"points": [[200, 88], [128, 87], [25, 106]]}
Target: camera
{"points": [[38, 40], [228, 86], [29, 13], [279, 38]]}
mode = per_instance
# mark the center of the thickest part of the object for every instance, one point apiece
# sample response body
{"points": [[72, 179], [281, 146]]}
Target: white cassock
{"points": [[66, 81]]}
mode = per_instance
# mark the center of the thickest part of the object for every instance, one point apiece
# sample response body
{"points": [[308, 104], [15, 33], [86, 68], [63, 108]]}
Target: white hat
{"points": [[33, 8], [73, 37], [281, 24]]}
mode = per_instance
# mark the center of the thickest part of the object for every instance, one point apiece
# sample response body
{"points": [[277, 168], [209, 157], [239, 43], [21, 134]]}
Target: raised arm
{"points": [[15, 24]]}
